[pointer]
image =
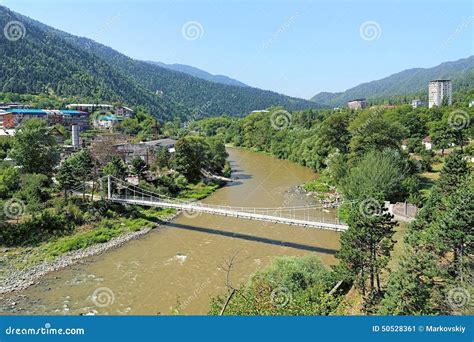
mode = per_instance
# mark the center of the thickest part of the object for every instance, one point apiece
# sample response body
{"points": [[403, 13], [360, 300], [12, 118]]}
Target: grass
{"points": [[198, 191], [321, 184], [428, 178], [84, 236]]}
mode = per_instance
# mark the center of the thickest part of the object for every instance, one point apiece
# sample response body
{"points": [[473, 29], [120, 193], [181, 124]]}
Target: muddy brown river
{"points": [[177, 268]]}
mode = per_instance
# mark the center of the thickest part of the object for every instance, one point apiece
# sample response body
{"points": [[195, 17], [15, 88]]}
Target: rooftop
{"points": [[110, 118], [89, 105], [43, 111], [27, 111], [161, 142]]}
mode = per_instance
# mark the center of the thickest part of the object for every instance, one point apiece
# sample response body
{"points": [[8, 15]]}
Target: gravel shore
{"points": [[20, 280]]}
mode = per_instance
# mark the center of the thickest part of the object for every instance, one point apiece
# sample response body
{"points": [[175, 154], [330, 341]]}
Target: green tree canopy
{"points": [[35, 148]]}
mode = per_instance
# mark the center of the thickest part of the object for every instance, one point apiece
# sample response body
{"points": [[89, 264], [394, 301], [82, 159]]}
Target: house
{"points": [[123, 111], [167, 142], [145, 149], [89, 107], [404, 144], [68, 118], [471, 103], [418, 103], [427, 143], [107, 121], [357, 104], [13, 105]]}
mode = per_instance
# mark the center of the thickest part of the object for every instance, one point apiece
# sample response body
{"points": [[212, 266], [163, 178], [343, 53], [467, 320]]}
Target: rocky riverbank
{"points": [[22, 279]]}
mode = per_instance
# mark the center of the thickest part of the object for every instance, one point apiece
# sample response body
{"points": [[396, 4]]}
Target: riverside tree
{"points": [[366, 245], [35, 148]]}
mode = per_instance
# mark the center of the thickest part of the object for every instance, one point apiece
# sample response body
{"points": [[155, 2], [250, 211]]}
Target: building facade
{"points": [[12, 118], [418, 103], [145, 150], [357, 104], [438, 91]]}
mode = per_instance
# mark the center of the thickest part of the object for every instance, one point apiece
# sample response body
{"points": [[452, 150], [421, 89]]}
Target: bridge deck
{"points": [[231, 213]]}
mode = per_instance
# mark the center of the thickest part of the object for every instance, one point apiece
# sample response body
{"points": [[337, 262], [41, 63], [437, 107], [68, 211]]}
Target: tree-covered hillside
{"points": [[412, 81], [48, 60], [190, 70]]}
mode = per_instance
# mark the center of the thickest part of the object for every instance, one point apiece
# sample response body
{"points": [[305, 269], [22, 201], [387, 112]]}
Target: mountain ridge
{"points": [[50, 60], [199, 73], [405, 82]]}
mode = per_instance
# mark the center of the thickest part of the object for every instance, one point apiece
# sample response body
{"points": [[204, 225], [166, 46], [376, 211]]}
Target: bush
{"points": [[288, 286], [35, 230]]}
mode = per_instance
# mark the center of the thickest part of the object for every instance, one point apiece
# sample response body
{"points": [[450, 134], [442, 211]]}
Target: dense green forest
{"points": [[406, 85], [49, 61], [359, 154]]}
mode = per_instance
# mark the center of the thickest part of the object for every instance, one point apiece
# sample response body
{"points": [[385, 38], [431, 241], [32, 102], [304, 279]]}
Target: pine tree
{"points": [[454, 170]]}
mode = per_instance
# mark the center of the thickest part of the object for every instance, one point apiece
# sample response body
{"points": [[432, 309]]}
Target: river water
{"points": [[178, 268]]}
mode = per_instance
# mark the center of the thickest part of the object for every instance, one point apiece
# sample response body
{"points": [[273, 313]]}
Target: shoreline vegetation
{"points": [[368, 157], [54, 213], [51, 256]]}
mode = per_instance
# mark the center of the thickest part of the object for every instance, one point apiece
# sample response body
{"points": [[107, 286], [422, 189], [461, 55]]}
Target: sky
{"points": [[298, 48]]}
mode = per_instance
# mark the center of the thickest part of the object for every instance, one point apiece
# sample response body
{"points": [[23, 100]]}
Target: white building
{"points": [[439, 90], [427, 143], [471, 103], [89, 107], [357, 104]]}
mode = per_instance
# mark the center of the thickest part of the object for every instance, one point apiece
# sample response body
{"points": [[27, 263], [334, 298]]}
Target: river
{"points": [[179, 266]]}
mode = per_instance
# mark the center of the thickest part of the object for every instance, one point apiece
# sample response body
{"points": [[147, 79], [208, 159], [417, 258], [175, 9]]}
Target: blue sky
{"points": [[297, 48]]}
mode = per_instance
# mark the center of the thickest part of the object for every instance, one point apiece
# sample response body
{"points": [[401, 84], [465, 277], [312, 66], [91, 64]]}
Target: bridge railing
{"points": [[124, 191]]}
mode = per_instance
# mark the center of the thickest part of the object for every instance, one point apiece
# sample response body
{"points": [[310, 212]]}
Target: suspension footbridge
{"points": [[305, 216]]}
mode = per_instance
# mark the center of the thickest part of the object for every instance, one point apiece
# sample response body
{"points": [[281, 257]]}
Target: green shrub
{"points": [[288, 286]]}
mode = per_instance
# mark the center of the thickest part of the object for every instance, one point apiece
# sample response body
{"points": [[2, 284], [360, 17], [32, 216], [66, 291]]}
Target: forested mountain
{"points": [[49, 60], [411, 81], [196, 72]]}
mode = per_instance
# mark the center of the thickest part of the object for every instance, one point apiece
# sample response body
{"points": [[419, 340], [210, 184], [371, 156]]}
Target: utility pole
{"points": [[108, 188]]}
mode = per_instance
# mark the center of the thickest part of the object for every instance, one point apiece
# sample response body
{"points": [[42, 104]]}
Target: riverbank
{"points": [[25, 266], [19, 280]]}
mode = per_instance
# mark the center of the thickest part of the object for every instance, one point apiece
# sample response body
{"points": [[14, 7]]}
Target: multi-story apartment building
{"points": [[438, 91]]}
